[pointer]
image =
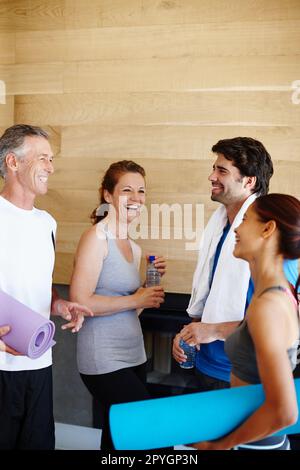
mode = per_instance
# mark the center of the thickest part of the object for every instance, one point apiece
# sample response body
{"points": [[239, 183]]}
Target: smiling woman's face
{"points": [[248, 236], [128, 196]]}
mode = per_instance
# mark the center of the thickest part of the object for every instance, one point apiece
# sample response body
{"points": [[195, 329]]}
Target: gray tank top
{"points": [[239, 347], [108, 343]]}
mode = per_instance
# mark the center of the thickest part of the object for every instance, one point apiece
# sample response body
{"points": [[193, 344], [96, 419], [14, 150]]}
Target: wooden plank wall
{"points": [[7, 59], [158, 81]]}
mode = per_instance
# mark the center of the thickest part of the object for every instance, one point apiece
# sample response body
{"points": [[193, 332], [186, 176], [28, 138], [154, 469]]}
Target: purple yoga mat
{"points": [[31, 334]]}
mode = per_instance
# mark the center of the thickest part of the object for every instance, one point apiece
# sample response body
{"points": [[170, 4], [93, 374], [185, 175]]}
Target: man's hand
{"points": [[198, 332], [4, 347], [73, 312], [177, 352]]}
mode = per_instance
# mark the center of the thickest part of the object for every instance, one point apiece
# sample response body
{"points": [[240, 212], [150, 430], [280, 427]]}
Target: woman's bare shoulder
{"points": [[94, 240]]}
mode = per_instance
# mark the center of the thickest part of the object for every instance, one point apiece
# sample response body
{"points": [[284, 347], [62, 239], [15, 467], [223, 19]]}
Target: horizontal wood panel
{"points": [[174, 250], [286, 178], [245, 38], [7, 112], [33, 78], [57, 14], [31, 15], [2, 129], [7, 48], [73, 205], [68, 236], [63, 268], [80, 14], [54, 138], [232, 108], [181, 74], [183, 142], [118, 12]]}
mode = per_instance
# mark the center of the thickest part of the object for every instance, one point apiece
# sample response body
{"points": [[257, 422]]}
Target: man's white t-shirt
{"points": [[26, 267]]}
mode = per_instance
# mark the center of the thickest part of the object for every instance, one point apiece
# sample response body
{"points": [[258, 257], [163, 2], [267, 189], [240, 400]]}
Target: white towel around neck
{"points": [[225, 300]]}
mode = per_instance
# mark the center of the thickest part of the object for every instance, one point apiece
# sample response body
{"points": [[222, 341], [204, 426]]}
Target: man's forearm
{"points": [[222, 330], [201, 332]]}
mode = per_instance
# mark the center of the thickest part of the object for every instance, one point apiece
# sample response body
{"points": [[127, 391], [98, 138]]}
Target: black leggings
{"points": [[121, 386]]}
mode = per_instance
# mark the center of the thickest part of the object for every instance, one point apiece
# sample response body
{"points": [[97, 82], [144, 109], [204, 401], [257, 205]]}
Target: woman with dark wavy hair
{"points": [[263, 349]]}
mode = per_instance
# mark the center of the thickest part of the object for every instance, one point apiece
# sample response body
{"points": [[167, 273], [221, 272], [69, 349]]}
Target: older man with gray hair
{"points": [[27, 240]]}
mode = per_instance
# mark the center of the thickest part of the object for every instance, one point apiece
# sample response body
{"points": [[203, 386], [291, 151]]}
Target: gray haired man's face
{"points": [[34, 169]]}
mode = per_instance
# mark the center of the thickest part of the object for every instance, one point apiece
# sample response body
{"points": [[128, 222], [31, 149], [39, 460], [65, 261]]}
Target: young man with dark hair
{"points": [[222, 287]]}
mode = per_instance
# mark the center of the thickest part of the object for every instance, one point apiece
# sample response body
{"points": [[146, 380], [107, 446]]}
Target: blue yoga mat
{"points": [[184, 419]]}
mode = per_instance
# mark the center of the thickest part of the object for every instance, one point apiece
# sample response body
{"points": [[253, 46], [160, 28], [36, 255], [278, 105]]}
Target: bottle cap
{"points": [[151, 258]]}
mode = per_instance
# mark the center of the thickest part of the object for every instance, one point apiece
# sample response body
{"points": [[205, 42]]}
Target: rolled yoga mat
{"points": [[31, 334], [184, 419]]}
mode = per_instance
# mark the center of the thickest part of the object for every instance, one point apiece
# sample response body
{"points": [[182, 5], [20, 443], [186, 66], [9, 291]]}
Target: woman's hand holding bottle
{"points": [[149, 297]]}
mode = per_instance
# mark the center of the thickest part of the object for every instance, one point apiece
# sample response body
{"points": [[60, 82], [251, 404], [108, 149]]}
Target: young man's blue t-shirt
{"points": [[211, 359]]}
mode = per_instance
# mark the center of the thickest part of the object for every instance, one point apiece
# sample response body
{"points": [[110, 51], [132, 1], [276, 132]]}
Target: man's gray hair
{"points": [[12, 141]]}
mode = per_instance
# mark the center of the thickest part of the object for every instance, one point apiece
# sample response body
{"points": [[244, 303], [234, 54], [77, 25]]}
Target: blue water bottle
{"points": [[190, 352]]}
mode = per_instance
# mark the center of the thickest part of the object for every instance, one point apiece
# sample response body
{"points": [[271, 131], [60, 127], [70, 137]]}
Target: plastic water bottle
{"points": [[152, 274], [190, 352]]}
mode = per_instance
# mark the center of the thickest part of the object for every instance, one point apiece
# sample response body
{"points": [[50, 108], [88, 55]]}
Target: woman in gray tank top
{"points": [[110, 348], [263, 349]]}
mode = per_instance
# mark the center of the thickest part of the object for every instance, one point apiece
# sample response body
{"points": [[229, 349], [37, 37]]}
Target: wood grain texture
{"points": [[69, 205], [172, 142], [245, 38], [286, 178], [145, 12], [7, 48], [111, 13], [7, 112], [63, 268], [19, 15], [179, 75], [45, 15], [33, 78], [232, 108], [202, 75]]}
